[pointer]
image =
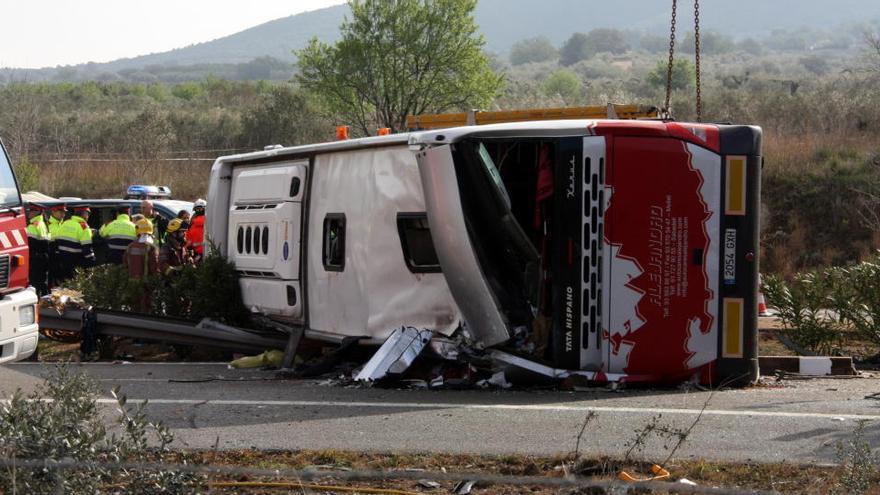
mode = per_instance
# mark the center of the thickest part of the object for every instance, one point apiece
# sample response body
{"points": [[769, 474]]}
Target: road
{"points": [[207, 404]]}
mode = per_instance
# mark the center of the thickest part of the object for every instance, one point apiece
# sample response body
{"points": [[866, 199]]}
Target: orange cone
{"points": [[762, 304]]}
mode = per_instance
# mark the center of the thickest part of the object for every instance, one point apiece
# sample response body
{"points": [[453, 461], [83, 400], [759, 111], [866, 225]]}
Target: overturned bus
{"points": [[617, 250]]}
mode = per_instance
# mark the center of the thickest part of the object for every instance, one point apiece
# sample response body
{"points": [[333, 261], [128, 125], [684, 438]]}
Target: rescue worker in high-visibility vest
{"points": [[74, 243], [38, 249], [118, 234], [196, 233], [56, 218], [141, 258]]}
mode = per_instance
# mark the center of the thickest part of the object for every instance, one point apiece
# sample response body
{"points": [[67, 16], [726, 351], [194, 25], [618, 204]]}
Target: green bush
{"points": [[803, 305], [69, 427], [818, 308], [27, 174], [209, 290], [107, 287], [856, 298]]}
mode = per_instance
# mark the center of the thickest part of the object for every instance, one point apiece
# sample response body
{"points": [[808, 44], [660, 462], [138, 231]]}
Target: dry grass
{"points": [[782, 477], [107, 178], [793, 154]]}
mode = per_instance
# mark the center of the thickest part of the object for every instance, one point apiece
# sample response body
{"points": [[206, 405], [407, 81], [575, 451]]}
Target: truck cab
{"points": [[18, 302]]}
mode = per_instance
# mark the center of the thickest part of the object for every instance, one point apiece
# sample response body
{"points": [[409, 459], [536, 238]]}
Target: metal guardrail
{"points": [[169, 330]]}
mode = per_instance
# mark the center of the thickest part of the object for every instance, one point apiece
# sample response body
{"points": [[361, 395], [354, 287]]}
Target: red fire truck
{"points": [[18, 302]]}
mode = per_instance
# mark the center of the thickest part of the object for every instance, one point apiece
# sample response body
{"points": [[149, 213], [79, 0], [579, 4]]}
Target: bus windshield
{"points": [[9, 196]]}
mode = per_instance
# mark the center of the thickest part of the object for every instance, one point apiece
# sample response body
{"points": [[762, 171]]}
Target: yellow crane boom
{"points": [[610, 111]]}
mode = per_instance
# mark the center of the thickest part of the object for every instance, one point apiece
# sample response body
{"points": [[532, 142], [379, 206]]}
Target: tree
{"points": [[532, 50], [607, 40], [574, 49], [565, 84], [400, 57], [582, 46], [285, 116], [872, 43], [815, 64], [684, 74], [711, 43]]}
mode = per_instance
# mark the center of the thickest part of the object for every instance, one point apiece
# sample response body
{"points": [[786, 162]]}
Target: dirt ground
{"points": [[781, 478]]}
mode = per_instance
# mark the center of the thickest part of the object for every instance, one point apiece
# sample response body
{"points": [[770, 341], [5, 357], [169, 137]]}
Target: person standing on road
{"points": [[119, 234], [141, 258], [56, 218], [173, 253], [38, 249], [196, 233], [74, 243], [159, 223]]}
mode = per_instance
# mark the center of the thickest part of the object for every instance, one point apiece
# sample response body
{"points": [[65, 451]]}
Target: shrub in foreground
{"points": [[69, 427]]}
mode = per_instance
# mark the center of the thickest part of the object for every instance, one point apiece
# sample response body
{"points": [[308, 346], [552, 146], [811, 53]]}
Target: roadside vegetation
{"points": [[824, 310], [65, 445]]}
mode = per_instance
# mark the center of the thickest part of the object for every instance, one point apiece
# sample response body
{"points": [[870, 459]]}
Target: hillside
{"points": [[503, 22]]}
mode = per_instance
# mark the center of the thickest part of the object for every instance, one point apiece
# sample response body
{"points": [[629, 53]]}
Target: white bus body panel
{"points": [[375, 293], [264, 232]]}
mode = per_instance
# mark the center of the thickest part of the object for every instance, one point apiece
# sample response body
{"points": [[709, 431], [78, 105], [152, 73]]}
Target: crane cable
{"points": [[697, 59], [667, 112]]}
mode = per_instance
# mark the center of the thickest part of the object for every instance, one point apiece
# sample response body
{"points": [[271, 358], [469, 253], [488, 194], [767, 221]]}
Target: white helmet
{"points": [[200, 203]]}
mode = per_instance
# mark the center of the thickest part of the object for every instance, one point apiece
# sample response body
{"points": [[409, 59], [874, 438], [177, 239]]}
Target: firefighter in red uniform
{"points": [[195, 236], [141, 258]]}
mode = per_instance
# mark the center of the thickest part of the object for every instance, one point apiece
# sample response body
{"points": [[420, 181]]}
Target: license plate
{"points": [[730, 256]]}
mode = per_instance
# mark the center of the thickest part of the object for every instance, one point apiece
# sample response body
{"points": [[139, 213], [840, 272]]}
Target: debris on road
{"points": [[431, 485], [497, 380], [658, 474], [396, 354], [463, 487], [268, 359]]}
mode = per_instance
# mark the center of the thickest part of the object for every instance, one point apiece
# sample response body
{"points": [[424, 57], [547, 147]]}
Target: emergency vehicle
{"points": [[18, 301], [619, 250]]}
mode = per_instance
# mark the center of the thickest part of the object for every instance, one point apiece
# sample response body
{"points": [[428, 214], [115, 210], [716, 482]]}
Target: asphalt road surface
{"points": [[208, 405]]}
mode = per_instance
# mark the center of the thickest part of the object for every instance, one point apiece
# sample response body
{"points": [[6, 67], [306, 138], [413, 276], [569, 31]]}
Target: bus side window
{"points": [[334, 242]]}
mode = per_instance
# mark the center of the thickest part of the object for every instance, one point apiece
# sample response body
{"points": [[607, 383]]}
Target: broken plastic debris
{"points": [[463, 487], [496, 380], [398, 352], [659, 474], [429, 484], [444, 348], [685, 481]]}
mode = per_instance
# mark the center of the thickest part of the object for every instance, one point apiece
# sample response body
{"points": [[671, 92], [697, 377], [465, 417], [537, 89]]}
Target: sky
{"points": [[46, 33]]}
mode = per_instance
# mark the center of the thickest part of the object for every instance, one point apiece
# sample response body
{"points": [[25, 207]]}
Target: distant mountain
{"points": [[503, 22]]}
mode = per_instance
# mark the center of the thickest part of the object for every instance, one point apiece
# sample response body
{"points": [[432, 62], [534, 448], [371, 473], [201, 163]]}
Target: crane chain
{"points": [[666, 109], [697, 59]]}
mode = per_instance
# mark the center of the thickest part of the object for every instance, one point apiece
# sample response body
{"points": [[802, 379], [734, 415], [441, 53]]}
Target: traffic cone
{"points": [[762, 303]]}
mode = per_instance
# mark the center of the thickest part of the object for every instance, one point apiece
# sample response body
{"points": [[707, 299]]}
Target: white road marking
{"points": [[502, 407]]}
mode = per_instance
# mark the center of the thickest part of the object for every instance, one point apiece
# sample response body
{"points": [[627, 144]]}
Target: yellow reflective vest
{"points": [[119, 233], [74, 237]]}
